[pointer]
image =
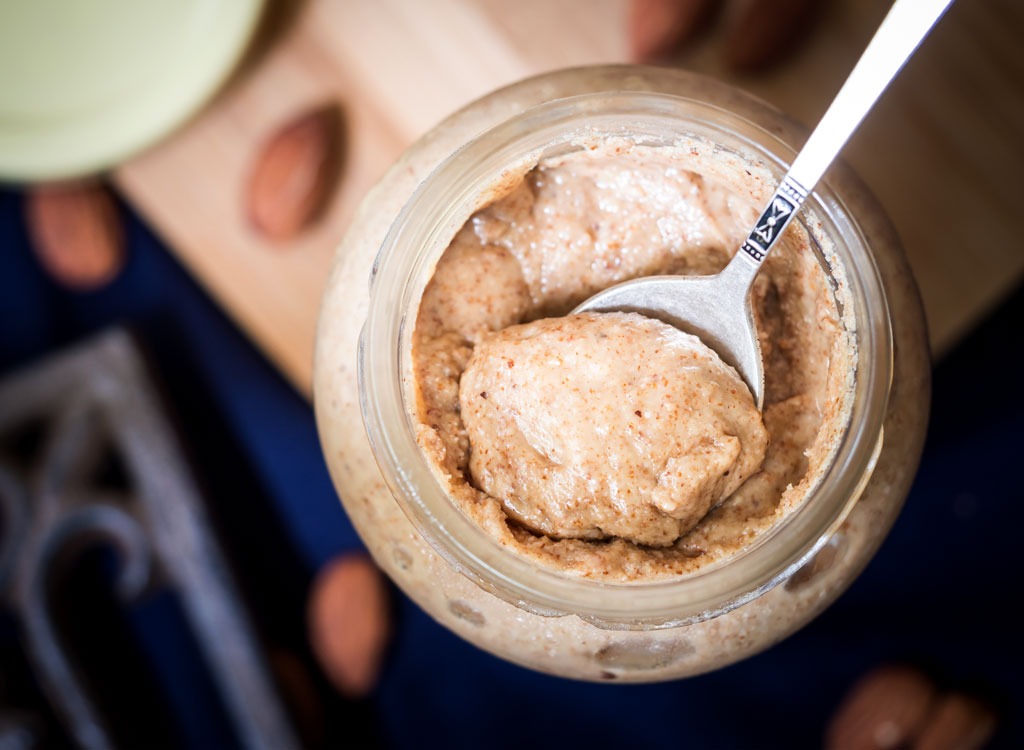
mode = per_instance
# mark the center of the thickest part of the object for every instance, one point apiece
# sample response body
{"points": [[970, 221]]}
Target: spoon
{"points": [[717, 308]]}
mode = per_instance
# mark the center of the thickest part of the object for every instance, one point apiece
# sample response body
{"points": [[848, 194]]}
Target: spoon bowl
{"points": [[717, 308]]}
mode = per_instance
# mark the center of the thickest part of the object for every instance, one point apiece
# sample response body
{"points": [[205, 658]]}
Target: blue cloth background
{"points": [[942, 592]]}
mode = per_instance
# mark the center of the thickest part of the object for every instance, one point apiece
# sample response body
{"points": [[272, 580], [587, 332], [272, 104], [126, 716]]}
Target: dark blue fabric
{"points": [[941, 593]]}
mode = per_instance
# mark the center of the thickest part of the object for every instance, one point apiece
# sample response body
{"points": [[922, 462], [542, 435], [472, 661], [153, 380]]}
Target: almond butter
{"points": [[885, 709], [294, 174], [958, 722], [759, 33], [349, 623], [76, 233], [658, 28]]}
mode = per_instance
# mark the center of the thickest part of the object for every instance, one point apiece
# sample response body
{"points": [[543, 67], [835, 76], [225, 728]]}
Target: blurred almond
{"points": [[958, 722], [659, 27], [349, 623], [759, 33], [76, 233], [300, 695], [294, 174], [884, 710]]}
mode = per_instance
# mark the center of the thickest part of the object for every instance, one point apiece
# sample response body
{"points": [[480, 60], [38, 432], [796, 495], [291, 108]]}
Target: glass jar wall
{"points": [[536, 616]]}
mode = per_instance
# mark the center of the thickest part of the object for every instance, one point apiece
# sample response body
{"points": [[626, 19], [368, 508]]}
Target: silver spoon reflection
{"points": [[717, 308]]}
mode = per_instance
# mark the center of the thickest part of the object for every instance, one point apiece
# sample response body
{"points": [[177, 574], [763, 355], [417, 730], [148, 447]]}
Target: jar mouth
{"points": [[445, 200]]}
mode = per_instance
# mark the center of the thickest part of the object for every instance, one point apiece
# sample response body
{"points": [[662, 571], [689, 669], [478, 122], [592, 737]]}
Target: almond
{"points": [[958, 722], [76, 233], [294, 174], [759, 33], [885, 709], [349, 623], [300, 695], [659, 27]]}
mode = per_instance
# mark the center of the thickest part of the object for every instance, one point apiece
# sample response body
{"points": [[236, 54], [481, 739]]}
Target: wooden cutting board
{"points": [[942, 150]]}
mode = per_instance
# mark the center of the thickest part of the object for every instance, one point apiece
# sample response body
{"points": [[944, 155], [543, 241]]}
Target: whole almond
{"points": [[349, 623], [659, 27], [958, 722], [300, 695], [76, 233], [885, 709], [294, 174], [759, 33]]}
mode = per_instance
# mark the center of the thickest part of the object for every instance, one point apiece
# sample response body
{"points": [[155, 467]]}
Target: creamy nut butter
{"points": [[599, 443], [595, 496]]}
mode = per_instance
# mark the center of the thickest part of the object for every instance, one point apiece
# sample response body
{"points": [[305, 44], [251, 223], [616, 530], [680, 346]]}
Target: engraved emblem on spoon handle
{"points": [[776, 217], [907, 23]]}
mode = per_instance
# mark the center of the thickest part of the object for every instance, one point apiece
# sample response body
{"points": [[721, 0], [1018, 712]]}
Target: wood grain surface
{"points": [[942, 150]]}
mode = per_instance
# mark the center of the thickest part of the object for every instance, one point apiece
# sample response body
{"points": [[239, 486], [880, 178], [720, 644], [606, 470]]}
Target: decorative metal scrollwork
{"points": [[88, 405]]}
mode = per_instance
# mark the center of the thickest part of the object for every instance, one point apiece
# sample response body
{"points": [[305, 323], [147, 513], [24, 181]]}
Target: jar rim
{"points": [[421, 232]]}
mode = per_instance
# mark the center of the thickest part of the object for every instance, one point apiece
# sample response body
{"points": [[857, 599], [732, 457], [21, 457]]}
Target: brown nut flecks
{"points": [[759, 33], [885, 709], [957, 722], [76, 233], [658, 27], [348, 620], [294, 174]]}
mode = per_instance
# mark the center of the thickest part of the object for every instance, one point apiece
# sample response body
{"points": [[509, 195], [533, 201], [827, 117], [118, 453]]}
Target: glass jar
{"points": [[533, 615]]}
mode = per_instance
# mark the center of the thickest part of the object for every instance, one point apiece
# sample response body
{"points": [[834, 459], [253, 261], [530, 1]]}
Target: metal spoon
{"points": [[717, 308]]}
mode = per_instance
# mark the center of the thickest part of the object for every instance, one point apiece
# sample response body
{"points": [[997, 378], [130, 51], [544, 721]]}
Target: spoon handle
{"points": [[907, 23]]}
